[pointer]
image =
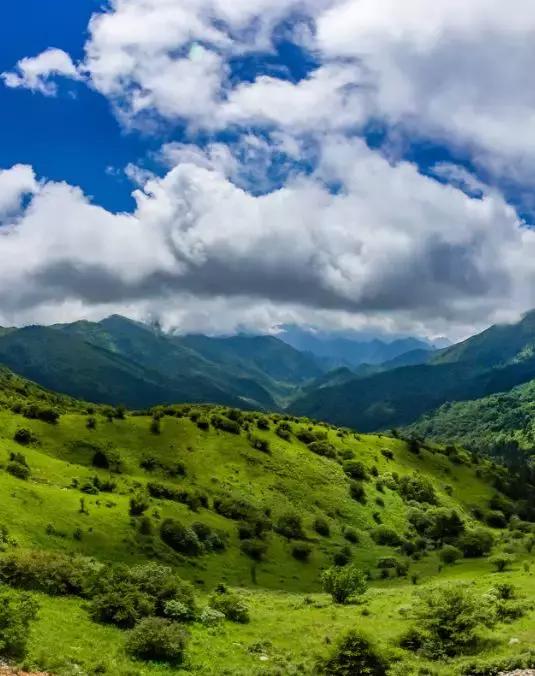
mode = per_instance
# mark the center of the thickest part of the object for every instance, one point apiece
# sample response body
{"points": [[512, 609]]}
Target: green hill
{"points": [[494, 361], [485, 424], [262, 503]]}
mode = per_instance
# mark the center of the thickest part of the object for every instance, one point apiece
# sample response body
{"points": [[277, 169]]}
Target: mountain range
{"points": [[120, 361]]}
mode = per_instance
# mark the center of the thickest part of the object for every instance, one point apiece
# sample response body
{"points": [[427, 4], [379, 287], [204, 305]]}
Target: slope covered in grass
{"points": [[272, 501]]}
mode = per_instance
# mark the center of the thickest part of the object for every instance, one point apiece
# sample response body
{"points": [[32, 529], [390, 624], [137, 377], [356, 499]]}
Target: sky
{"points": [[361, 165]]}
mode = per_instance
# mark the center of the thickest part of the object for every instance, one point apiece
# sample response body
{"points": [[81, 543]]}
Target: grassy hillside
{"points": [[274, 504]]}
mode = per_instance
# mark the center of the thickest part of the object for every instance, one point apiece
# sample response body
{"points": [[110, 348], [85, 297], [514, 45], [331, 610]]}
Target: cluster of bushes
{"points": [[258, 443], [18, 467], [25, 437], [150, 600], [36, 412], [417, 488], [151, 464], [225, 424], [192, 540], [108, 458]]}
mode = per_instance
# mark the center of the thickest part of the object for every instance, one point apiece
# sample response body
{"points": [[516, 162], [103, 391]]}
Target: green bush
{"points": [[355, 469], [382, 535], [301, 551], [225, 424], [255, 549], [17, 611], [321, 526], [354, 655], [138, 505], [290, 526], [123, 596], [449, 618], [357, 492], [180, 538], [49, 572], [323, 448], [450, 554], [231, 605], [475, 543], [24, 437], [502, 562], [344, 583], [19, 470], [351, 535], [417, 488], [157, 639], [259, 444]]}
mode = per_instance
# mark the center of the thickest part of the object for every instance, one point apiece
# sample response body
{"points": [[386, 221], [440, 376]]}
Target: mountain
{"points": [[119, 361], [337, 350], [487, 424], [493, 361], [109, 519]]}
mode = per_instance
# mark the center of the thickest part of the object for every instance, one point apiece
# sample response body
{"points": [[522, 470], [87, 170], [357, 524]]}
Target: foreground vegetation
{"points": [[216, 541]]}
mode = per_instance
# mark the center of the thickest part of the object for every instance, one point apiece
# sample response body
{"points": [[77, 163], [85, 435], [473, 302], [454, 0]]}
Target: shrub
{"points": [[343, 583], [24, 437], [382, 535], [255, 549], [18, 470], [17, 612], [502, 562], [357, 492], [495, 519], [351, 535], [91, 423], [231, 605], [225, 424], [124, 596], [301, 551], [387, 453], [210, 617], [178, 611], [157, 639], [321, 526], [53, 573], [138, 505], [108, 458], [354, 654], [259, 444], [323, 448], [262, 423], [417, 488], [449, 618], [283, 433], [475, 543], [342, 557], [355, 469], [450, 554], [180, 538], [290, 526], [235, 508]]}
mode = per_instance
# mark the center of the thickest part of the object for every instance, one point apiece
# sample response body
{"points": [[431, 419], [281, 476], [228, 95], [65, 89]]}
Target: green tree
{"points": [[344, 583]]}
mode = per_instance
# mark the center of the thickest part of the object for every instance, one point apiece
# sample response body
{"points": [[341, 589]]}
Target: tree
{"points": [[343, 583]]}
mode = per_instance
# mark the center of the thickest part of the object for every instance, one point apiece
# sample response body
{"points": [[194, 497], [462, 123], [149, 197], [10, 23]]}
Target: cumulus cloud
{"points": [[37, 73], [427, 251], [353, 237]]}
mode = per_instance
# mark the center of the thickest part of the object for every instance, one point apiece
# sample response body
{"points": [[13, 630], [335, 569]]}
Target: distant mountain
{"points": [[337, 350], [119, 361], [493, 361]]}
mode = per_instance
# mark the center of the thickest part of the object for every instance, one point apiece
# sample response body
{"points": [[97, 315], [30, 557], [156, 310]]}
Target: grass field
{"points": [[292, 622]]}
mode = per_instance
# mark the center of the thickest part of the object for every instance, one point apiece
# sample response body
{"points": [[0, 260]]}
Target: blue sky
{"points": [[336, 163]]}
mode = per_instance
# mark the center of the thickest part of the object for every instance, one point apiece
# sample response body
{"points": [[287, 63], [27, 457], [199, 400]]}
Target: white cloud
{"points": [[428, 255], [15, 184], [36, 73]]}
